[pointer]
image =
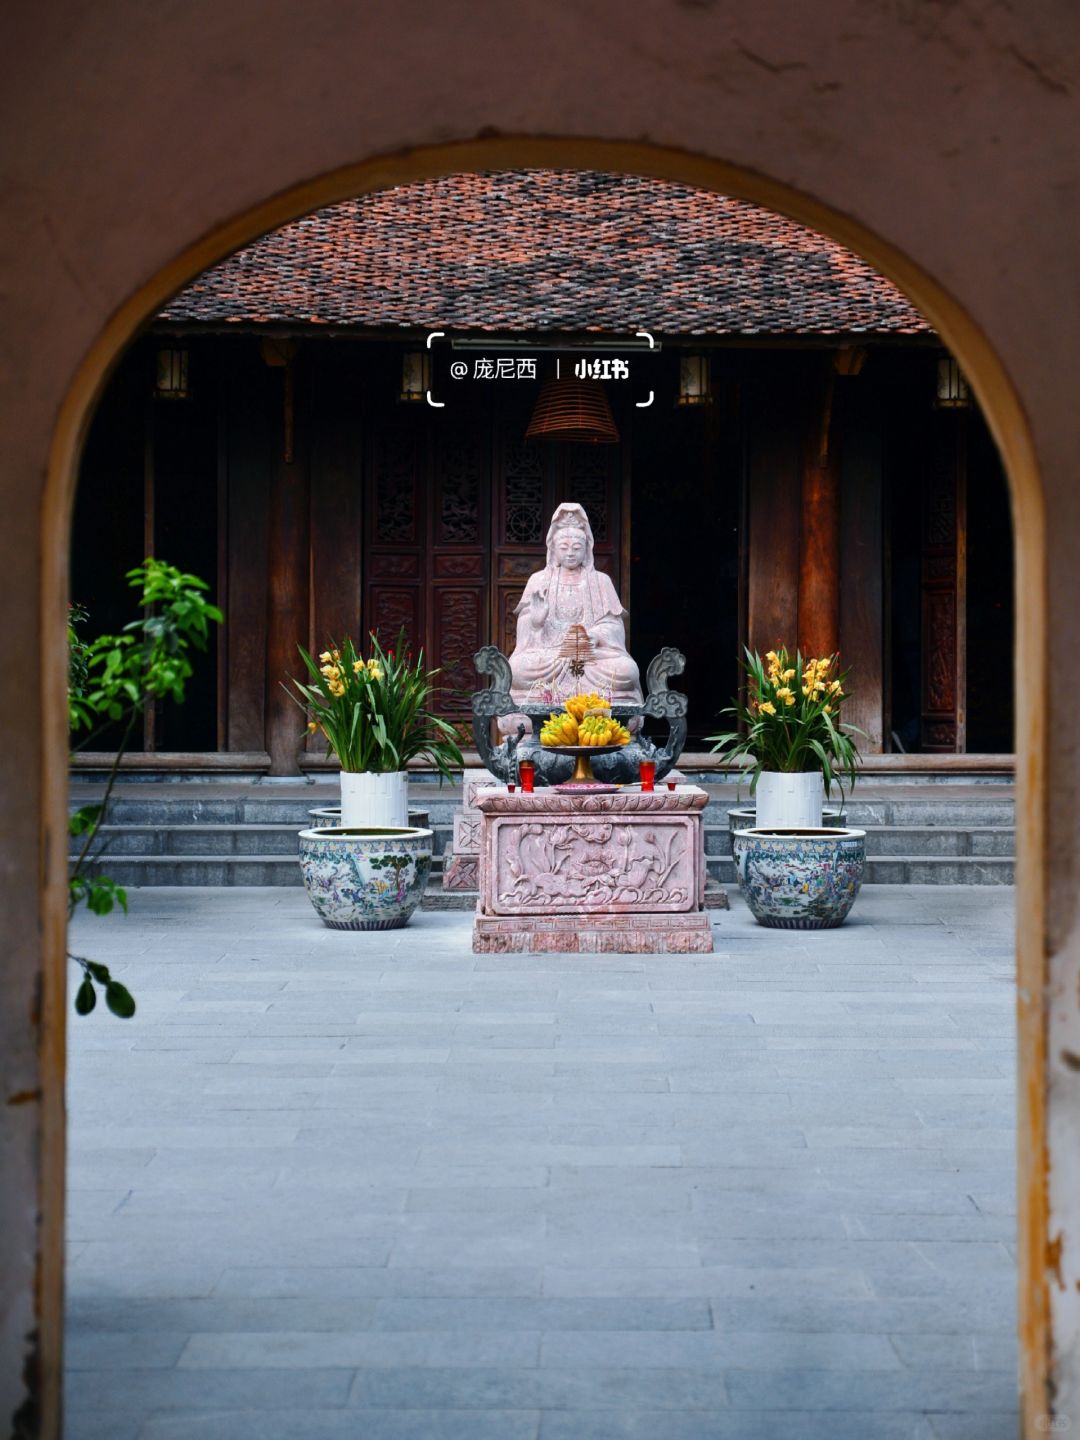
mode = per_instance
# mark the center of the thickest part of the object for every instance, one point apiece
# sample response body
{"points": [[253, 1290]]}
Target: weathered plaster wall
{"points": [[132, 131]]}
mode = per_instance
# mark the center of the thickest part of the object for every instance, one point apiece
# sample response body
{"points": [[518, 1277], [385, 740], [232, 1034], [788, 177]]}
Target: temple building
{"points": [[772, 446]]}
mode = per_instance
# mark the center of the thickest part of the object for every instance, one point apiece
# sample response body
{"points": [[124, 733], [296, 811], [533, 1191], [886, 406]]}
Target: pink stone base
{"points": [[636, 934], [461, 872]]}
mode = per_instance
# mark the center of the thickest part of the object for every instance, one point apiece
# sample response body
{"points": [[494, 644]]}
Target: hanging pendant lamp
{"points": [[573, 410]]}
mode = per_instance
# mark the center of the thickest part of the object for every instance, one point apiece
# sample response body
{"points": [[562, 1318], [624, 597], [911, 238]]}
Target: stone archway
{"points": [[34, 1178]]}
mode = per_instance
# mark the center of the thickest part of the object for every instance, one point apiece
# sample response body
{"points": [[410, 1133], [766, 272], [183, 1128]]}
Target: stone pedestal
{"points": [[621, 873], [461, 865]]}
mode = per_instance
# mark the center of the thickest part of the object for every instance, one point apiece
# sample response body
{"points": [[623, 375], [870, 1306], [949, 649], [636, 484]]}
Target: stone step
{"points": [[240, 870], [246, 835], [259, 839], [187, 805], [910, 870], [252, 841], [922, 840], [183, 805]]}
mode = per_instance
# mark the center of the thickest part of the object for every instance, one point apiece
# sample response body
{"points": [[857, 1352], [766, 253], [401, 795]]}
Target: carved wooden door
{"points": [[458, 565], [456, 516], [530, 480], [427, 540]]}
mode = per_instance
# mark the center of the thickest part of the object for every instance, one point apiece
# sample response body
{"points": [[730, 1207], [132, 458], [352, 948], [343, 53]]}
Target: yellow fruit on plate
{"points": [[578, 705], [559, 730]]}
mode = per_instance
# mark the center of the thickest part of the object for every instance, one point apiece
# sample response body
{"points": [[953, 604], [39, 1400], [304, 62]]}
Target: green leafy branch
{"points": [[111, 680]]}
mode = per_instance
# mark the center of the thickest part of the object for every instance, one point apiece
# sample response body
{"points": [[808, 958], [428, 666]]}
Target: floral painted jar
{"points": [[800, 879], [365, 879]]}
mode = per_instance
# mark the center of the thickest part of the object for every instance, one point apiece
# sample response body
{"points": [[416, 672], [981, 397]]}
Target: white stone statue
{"points": [[570, 634]]}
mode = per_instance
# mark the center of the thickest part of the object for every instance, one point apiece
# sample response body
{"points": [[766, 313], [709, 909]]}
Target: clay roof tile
{"points": [[550, 250]]}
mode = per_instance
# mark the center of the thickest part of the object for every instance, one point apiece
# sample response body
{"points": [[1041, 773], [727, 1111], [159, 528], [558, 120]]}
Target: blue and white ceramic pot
{"points": [[800, 879], [369, 879]]}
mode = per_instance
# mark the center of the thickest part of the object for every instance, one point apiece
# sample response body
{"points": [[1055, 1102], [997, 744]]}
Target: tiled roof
{"points": [[550, 250]]}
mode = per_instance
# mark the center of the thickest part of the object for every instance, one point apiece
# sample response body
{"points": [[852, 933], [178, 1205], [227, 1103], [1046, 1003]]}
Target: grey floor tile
{"points": [[544, 1314], [395, 1190], [297, 1424]]}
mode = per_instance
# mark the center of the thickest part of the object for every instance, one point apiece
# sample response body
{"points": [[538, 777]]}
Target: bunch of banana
{"points": [[602, 730], [580, 705], [559, 730]]}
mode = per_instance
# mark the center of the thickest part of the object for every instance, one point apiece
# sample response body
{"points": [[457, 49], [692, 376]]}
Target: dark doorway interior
{"points": [[686, 502]]}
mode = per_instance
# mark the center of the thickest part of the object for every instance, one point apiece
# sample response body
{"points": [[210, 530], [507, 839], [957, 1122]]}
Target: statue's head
{"points": [[570, 539]]}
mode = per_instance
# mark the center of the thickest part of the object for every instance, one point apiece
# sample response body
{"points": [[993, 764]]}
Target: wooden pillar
{"points": [[857, 421], [288, 579], [819, 533], [944, 587], [772, 479]]}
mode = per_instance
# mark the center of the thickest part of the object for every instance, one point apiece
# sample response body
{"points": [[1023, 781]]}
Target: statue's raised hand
{"points": [[538, 609]]}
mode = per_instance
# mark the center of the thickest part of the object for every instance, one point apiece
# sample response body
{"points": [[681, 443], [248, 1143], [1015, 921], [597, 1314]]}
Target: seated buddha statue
{"points": [[570, 634]]}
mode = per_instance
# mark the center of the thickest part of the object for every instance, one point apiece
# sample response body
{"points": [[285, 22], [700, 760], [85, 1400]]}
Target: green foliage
{"points": [[100, 894], [791, 719], [79, 712], [117, 996], [111, 680], [373, 712]]}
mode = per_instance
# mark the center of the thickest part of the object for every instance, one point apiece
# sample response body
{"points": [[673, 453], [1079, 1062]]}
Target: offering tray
{"points": [[583, 777]]}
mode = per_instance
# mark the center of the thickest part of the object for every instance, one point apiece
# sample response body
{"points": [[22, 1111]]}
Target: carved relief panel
{"points": [[555, 864]]}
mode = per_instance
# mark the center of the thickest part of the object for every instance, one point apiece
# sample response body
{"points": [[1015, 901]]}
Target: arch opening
{"points": [[990, 385]]}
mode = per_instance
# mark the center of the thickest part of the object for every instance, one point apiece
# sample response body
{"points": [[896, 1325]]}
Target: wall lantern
{"points": [[415, 375], [171, 382], [952, 388], [694, 381], [573, 410]]}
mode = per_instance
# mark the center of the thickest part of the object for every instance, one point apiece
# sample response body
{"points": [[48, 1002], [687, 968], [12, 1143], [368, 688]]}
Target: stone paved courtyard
{"points": [[329, 1185]]}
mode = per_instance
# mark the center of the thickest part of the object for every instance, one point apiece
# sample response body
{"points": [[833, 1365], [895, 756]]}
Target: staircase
{"points": [[184, 833]]}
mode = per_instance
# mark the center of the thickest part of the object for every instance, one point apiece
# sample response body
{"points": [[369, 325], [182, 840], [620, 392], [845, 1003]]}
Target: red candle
{"points": [[647, 772], [671, 784], [511, 787], [527, 776]]}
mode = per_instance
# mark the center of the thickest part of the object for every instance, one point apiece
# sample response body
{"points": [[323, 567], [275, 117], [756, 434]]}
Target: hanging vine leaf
{"points": [[119, 1000], [85, 997]]}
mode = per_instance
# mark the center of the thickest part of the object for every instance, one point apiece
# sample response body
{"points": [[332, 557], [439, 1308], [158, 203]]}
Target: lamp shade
{"points": [[573, 410], [415, 375], [171, 381], [952, 388], [694, 381]]}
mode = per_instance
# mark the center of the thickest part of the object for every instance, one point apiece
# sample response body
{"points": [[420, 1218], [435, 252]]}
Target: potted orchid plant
{"points": [[374, 715], [791, 730], [793, 872]]}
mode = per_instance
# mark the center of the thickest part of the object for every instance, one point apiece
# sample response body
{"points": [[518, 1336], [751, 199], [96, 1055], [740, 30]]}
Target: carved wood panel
{"points": [[457, 632], [588, 473], [396, 472], [391, 607], [393, 565], [506, 631]]}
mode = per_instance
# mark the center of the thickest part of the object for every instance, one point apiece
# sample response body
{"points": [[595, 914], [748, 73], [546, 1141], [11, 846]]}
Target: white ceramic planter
{"points": [[792, 799], [369, 799]]}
